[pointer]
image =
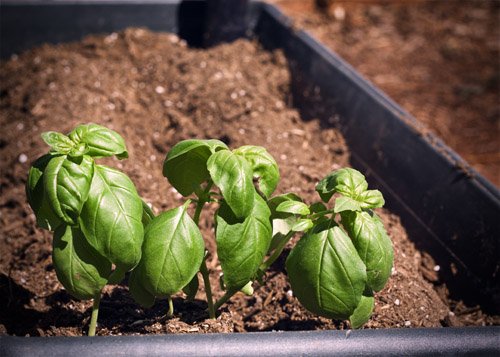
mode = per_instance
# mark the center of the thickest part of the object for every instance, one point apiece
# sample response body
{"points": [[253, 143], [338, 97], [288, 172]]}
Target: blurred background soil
{"points": [[438, 59]]}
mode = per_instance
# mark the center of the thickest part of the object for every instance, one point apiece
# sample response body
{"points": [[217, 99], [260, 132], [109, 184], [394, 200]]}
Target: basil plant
{"points": [[93, 210], [174, 250], [335, 269]]}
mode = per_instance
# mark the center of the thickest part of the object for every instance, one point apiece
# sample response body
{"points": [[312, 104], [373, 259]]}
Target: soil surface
{"points": [[440, 60], [155, 91]]}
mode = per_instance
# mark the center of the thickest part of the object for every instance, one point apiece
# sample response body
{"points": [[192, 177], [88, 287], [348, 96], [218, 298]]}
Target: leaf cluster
{"points": [[94, 211], [99, 221]]}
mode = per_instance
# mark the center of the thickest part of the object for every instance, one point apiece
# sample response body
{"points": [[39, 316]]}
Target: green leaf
{"points": [[172, 253], [111, 218], [191, 289], [79, 268], [233, 175], [302, 225], [137, 290], [185, 166], [346, 181], [100, 141], [363, 312], [326, 273], [294, 207], [147, 214], [373, 246], [67, 183], [371, 199], [263, 166], [317, 207], [59, 143], [242, 245], [343, 203], [248, 289], [37, 198], [275, 201]]}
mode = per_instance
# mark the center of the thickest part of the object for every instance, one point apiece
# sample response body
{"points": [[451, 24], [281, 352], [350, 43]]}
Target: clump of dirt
{"points": [[438, 59], [155, 92]]}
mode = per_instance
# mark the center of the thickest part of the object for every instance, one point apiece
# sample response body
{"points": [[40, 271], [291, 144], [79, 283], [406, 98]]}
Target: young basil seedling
{"points": [[333, 271], [94, 211], [173, 251]]}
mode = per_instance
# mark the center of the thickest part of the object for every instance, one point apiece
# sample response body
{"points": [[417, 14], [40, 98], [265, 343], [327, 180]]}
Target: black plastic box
{"points": [[449, 210]]}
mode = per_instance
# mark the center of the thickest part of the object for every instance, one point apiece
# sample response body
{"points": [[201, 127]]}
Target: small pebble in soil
{"points": [[23, 158], [20, 126], [437, 268], [289, 293], [407, 323], [397, 302], [160, 90]]}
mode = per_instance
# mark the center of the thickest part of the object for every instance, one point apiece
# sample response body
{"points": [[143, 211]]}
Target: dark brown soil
{"points": [[439, 59], [155, 91]]}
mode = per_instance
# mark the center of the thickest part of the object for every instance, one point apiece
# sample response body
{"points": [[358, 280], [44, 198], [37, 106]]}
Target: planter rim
{"points": [[395, 342]]}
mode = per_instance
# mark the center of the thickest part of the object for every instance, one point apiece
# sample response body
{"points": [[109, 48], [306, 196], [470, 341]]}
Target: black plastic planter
{"points": [[423, 180]]}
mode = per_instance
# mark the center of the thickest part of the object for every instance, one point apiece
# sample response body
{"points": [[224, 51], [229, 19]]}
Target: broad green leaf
{"points": [[37, 198], [371, 199], [346, 181], [99, 140], [67, 183], [373, 246], [233, 175], [343, 203], [275, 201], [326, 273], [59, 143], [263, 166], [185, 166], [318, 207], [302, 225], [111, 218], [283, 225], [276, 239], [294, 207], [79, 268], [191, 289], [242, 245], [137, 290], [172, 252], [147, 214], [363, 312]]}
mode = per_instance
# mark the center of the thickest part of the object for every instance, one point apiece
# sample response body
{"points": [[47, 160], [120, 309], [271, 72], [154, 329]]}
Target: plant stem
{"points": [[203, 198], [319, 214], [208, 289], [170, 307], [277, 252], [224, 298], [95, 313]]}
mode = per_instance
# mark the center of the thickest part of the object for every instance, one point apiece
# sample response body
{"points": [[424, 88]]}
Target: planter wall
{"points": [[452, 210]]}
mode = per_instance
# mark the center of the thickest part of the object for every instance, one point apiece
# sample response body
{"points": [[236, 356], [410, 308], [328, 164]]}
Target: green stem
{"points": [[224, 298], [276, 253], [204, 197], [208, 289], [170, 312], [95, 313], [319, 214]]}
